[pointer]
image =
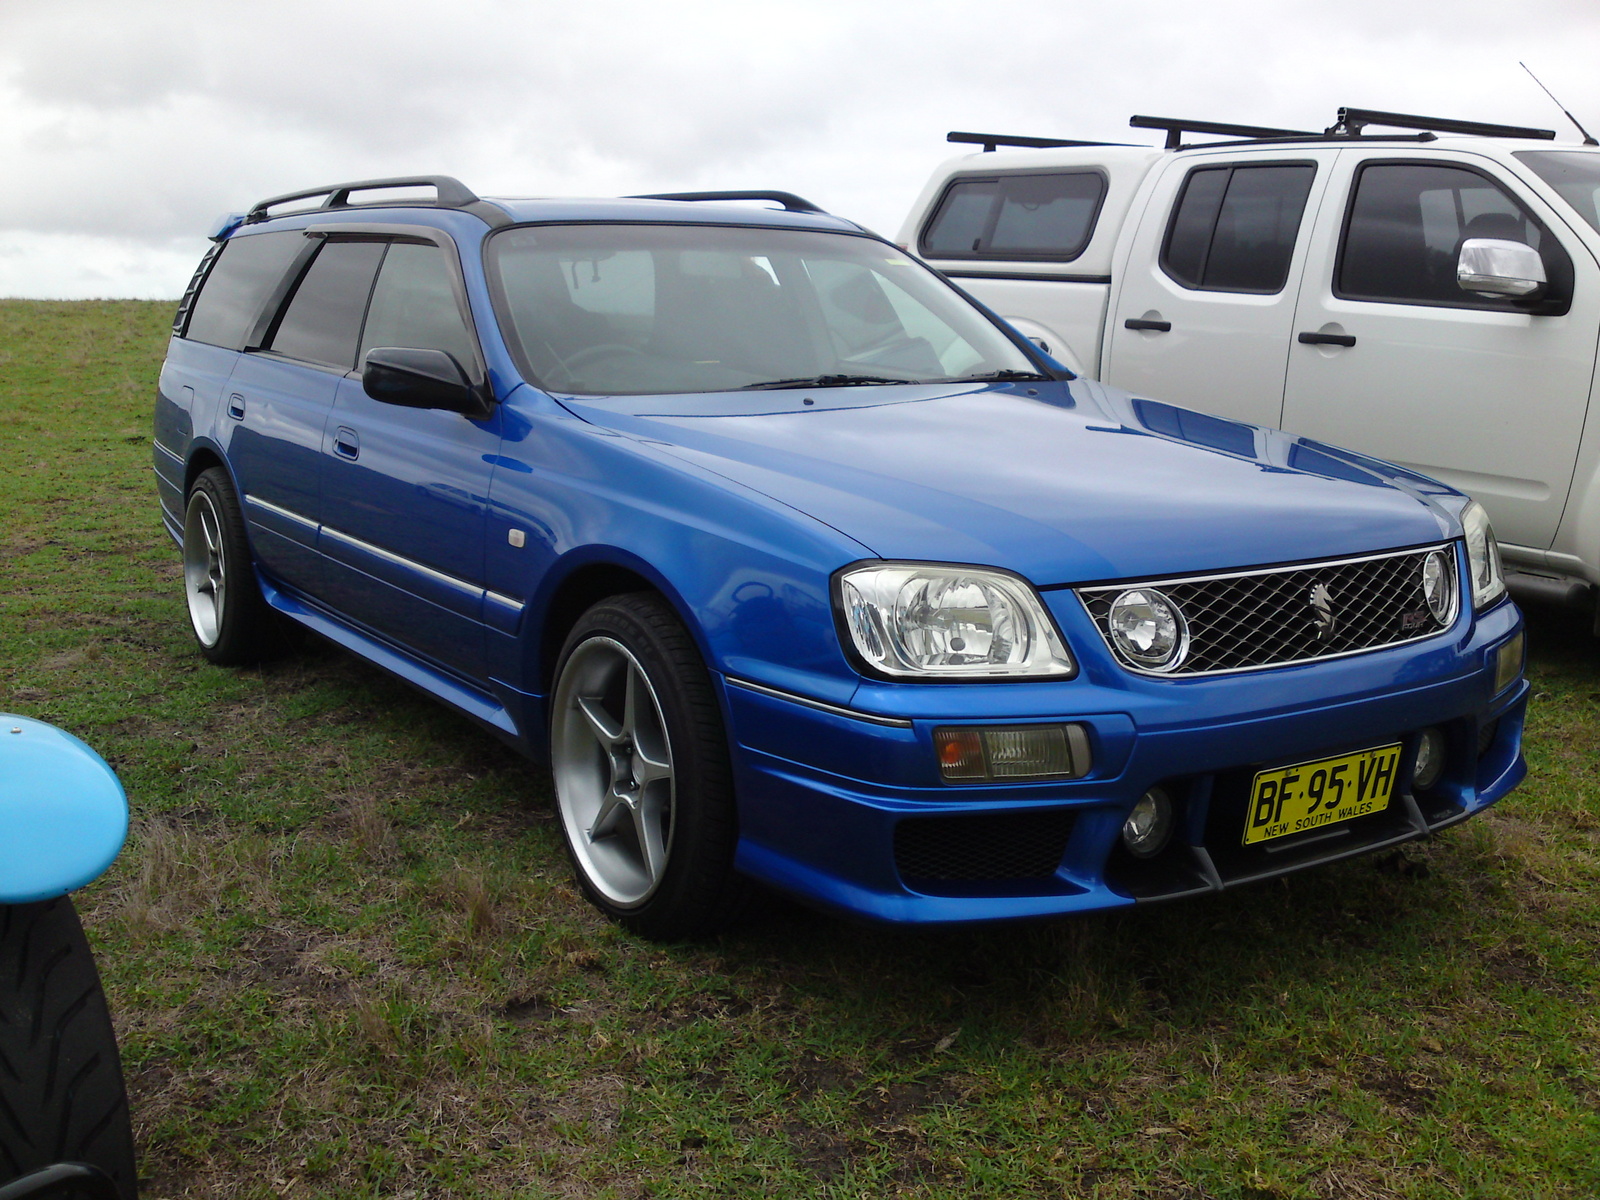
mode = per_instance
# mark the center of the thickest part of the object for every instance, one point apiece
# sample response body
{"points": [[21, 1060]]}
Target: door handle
{"points": [[1326, 339], [1151, 326], [346, 443], [236, 406]]}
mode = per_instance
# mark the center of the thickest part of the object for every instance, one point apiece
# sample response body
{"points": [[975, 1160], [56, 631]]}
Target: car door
{"points": [[278, 398], [1202, 313], [1393, 358], [405, 489]]}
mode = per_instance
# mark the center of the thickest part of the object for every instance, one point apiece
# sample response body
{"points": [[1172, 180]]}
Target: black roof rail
{"points": [[990, 140], [451, 193], [789, 200], [1351, 121], [1176, 127]]}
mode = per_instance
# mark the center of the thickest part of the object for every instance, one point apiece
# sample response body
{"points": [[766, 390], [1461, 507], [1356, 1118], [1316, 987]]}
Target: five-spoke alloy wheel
{"points": [[641, 772], [231, 621]]}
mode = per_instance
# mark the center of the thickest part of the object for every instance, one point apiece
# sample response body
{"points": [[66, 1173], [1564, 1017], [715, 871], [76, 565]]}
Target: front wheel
{"points": [[642, 779], [61, 1092]]}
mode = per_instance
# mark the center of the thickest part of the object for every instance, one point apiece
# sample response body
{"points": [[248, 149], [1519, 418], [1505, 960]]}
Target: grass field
{"points": [[347, 961]]}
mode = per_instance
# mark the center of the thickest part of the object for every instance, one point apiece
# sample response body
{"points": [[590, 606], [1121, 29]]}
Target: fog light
{"points": [[1014, 752], [1149, 825], [1428, 764], [1508, 662]]}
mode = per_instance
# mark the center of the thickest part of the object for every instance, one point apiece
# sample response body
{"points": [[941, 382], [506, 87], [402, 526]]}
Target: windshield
{"points": [[1575, 175], [658, 309]]}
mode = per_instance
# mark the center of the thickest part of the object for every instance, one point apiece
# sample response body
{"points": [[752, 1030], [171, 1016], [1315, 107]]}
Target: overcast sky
{"points": [[129, 125]]}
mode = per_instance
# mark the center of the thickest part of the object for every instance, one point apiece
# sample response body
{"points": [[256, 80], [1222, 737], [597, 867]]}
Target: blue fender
{"points": [[63, 813]]}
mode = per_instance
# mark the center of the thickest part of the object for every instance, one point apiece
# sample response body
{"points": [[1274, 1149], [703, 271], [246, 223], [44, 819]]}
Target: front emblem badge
{"points": [[1321, 601]]}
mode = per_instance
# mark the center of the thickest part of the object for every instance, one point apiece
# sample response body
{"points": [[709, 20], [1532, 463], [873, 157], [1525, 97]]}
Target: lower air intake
{"points": [[981, 849]]}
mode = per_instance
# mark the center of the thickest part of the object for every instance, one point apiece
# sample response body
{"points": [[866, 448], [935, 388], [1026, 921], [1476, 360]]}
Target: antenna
{"points": [[1588, 138]]}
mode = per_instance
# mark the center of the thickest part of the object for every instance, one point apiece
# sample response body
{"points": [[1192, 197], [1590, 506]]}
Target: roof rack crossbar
{"points": [[451, 193], [990, 140], [1352, 121], [789, 200], [1175, 129]]}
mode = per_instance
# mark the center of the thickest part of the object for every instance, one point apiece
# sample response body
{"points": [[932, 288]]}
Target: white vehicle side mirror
{"points": [[1496, 267]]}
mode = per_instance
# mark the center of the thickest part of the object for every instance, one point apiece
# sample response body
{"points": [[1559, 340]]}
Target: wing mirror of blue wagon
{"points": [[415, 378], [63, 814]]}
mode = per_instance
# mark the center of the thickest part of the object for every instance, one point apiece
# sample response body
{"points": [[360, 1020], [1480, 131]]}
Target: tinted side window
{"points": [[1016, 217], [1234, 228], [1404, 232], [414, 305], [323, 321], [242, 278]]}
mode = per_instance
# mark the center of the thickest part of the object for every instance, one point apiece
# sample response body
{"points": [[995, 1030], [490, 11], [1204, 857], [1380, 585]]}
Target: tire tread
{"points": [[61, 1091]]}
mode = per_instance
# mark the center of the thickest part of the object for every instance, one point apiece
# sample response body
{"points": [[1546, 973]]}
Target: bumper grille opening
{"points": [[980, 848]]}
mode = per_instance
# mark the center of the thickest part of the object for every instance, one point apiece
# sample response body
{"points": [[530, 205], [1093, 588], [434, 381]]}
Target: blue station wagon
{"points": [[801, 567]]}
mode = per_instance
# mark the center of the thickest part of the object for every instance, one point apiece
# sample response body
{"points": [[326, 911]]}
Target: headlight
{"points": [[1483, 557], [924, 620]]}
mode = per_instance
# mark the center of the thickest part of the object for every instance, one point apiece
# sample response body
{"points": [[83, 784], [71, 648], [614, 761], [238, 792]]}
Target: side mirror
{"points": [[63, 815], [416, 378], [1496, 267]]}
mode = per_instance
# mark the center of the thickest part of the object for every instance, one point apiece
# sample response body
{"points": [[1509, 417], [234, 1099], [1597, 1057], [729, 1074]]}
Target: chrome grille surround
{"points": [[1279, 616]]}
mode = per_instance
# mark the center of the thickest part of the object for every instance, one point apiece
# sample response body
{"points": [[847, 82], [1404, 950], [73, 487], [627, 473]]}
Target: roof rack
{"points": [[1176, 127], [1351, 121], [990, 140], [450, 193], [789, 200]]}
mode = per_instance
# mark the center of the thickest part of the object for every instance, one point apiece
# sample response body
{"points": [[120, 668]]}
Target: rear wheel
{"points": [[641, 771], [231, 621], [61, 1091]]}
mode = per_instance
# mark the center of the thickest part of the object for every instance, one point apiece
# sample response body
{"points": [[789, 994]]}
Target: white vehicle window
{"points": [[1234, 227], [1405, 226], [1018, 216]]}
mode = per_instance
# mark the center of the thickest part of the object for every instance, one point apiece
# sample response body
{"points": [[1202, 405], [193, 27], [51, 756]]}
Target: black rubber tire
{"points": [[246, 629], [699, 892], [61, 1090]]}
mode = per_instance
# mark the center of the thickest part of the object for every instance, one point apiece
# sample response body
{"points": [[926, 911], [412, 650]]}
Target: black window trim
{"points": [[1554, 304], [1231, 167], [988, 256]]}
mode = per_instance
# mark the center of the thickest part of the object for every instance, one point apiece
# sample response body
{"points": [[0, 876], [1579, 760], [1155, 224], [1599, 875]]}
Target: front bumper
{"points": [[851, 814]]}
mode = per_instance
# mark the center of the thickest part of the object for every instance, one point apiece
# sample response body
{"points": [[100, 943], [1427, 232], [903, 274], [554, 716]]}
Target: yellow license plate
{"points": [[1309, 795]]}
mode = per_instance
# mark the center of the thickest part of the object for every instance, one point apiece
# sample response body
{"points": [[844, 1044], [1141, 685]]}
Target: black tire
{"points": [[663, 867], [61, 1091], [231, 621]]}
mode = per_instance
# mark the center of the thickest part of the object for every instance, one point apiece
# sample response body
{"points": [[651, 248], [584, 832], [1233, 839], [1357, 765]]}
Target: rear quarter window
{"points": [[244, 275], [1037, 215]]}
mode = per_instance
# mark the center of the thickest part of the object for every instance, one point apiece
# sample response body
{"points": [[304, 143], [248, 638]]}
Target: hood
{"points": [[1065, 483]]}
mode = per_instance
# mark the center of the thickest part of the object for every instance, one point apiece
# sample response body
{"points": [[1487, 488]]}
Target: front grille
{"points": [[983, 848], [1245, 620]]}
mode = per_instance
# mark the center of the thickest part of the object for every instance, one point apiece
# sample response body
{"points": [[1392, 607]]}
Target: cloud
{"points": [[141, 123]]}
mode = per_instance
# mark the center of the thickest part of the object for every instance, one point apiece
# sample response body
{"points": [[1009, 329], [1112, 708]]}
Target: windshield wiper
{"points": [[1004, 375], [821, 381]]}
